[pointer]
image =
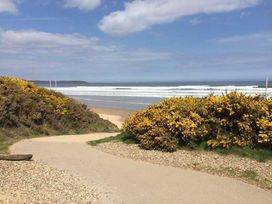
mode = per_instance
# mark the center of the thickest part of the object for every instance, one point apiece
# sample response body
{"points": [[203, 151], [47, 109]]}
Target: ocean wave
{"points": [[159, 92]]}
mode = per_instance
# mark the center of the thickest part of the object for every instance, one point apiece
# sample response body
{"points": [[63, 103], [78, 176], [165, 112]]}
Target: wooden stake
{"points": [[266, 87]]}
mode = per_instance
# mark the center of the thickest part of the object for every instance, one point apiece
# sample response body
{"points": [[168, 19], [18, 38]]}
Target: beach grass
{"points": [[4, 144], [249, 174], [122, 137], [260, 155], [9, 136]]}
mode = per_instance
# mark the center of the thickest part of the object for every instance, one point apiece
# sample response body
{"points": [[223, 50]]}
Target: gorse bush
{"points": [[26, 106], [232, 120]]}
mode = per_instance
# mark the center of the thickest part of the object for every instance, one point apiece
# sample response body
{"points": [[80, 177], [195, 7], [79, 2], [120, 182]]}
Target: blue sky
{"points": [[136, 40]]}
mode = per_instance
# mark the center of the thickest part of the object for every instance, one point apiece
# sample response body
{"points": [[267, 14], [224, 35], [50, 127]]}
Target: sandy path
{"points": [[129, 181]]}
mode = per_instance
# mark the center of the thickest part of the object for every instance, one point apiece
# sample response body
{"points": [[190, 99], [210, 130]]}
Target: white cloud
{"points": [[139, 15], [8, 6], [84, 5], [195, 21], [38, 49], [244, 14], [263, 38], [35, 54], [41, 39], [42, 55]]}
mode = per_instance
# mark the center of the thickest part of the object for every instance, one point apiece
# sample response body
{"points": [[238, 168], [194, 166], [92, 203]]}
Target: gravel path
{"points": [[211, 162], [32, 182]]}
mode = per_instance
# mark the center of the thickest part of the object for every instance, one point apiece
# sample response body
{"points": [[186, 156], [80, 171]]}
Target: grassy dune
{"points": [[27, 110]]}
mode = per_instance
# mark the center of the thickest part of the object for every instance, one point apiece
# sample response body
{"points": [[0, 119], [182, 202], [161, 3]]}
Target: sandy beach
{"points": [[116, 116]]}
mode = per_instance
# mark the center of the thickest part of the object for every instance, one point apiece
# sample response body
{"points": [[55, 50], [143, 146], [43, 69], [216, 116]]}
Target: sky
{"points": [[136, 40]]}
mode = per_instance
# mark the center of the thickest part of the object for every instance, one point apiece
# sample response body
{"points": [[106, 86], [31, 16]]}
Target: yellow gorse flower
{"points": [[229, 120], [24, 104]]}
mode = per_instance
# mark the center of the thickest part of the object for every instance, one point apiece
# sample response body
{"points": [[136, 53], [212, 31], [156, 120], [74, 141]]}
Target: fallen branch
{"points": [[16, 157]]}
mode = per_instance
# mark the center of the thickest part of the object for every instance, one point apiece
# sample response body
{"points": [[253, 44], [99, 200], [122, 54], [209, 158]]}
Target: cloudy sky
{"points": [[136, 40]]}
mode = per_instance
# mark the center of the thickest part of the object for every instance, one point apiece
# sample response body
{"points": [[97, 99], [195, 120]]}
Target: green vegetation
{"points": [[213, 122], [249, 174], [122, 137], [260, 155], [4, 144], [27, 110]]}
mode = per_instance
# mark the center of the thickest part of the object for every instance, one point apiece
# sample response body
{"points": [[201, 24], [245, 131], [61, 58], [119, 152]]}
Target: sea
{"points": [[136, 96]]}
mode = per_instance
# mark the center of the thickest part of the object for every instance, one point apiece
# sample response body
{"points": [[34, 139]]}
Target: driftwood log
{"points": [[16, 157]]}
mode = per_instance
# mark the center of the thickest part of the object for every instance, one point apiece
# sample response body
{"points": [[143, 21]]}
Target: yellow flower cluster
{"points": [[265, 133], [221, 121], [58, 100], [24, 104]]}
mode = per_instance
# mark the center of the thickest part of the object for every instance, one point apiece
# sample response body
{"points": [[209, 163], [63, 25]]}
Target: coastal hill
{"points": [[60, 83], [27, 110]]}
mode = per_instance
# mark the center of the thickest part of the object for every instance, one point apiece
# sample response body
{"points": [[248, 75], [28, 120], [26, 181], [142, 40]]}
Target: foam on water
{"points": [[159, 91]]}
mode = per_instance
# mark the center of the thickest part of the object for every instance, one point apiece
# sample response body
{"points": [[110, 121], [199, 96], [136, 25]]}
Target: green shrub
{"points": [[158, 138], [232, 120]]}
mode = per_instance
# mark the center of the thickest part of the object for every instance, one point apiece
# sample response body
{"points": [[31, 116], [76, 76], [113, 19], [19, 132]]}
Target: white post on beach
{"points": [[50, 84], [56, 84], [266, 87]]}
